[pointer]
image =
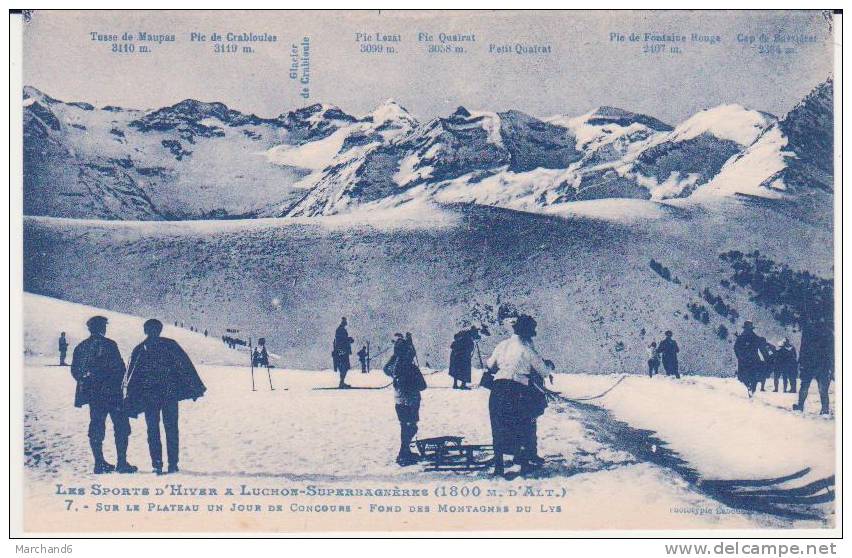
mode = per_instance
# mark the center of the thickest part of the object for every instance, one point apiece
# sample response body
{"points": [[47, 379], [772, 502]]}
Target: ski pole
{"points": [[252, 372], [269, 374], [479, 354]]}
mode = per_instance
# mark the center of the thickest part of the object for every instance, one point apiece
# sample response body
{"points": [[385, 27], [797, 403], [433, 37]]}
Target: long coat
{"points": [[341, 349], [159, 371], [752, 354], [461, 351], [99, 370]]}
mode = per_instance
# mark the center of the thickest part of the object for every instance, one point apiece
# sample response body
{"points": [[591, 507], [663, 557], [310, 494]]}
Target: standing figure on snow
{"points": [[99, 370], [787, 363], [751, 352], [159, 376], [653, 359], [517, 397], [768, 365], [461, 351], [260, 357], [362, 358], [63, 349], [408, 382], [341, 349], [816, 360], [668, 349]]}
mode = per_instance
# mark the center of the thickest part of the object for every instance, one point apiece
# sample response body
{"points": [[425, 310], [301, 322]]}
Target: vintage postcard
{"points": [[542, 272]]}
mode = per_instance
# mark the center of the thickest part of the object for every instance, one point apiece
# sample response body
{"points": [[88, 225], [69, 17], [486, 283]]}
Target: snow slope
{"points": [[45, 318], [583, 272]]}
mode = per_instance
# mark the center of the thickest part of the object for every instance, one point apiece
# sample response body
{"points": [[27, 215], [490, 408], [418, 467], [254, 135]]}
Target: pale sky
{"points": [[584, 69]]}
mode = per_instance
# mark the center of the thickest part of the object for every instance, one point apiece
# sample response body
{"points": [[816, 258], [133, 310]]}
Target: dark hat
{"points": [[524, 325], [96, 321], [748, 324]]}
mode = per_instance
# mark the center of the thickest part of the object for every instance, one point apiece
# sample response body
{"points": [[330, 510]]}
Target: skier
{"points": [[516, 375], [461, 351], [362, 358], [750, 350], [408, 382], [341, 350], [160, 375], [816, 360], [788, 364], [260, 358], [97, 367], [63, 349], [668, 349], [653, 359]]}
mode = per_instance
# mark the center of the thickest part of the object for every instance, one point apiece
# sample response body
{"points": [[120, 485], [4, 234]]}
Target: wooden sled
{"points": [[448, 453]]}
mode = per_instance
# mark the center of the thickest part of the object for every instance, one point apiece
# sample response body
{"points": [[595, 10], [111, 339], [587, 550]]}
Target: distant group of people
{"points": [[667, 353], [233, 342], [758, 360], [160, 375]]}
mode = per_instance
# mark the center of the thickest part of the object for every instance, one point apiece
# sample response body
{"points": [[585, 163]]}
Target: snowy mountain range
{"points": [[196, 160]]}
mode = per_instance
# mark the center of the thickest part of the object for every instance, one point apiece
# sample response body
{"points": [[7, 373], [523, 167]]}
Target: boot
{"points": [[101, 465], [123, 466], [173, 469]]}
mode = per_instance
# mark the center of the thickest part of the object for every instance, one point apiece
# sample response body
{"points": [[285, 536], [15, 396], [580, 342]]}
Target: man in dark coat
{"points": [[816, 360], [786, 365], [63, 349], [341, 350], [752, 354], [98, 368], [159, 376], [668, 350], [461, 351]]}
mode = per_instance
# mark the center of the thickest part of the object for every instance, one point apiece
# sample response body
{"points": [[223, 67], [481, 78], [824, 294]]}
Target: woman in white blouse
{"points": [[517, 396]]}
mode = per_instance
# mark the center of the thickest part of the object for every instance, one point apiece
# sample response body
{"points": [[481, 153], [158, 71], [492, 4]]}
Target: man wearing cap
{"points": [[97, 367], [752, 357], [159, 376]]}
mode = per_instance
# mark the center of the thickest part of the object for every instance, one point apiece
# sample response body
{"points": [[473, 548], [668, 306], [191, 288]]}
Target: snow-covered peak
{"points": [[317, 113], [727, 122], [389, 113]]}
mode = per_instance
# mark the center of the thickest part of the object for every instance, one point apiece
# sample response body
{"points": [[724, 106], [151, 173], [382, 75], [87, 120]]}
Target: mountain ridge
{"points": [[195, 159]]}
